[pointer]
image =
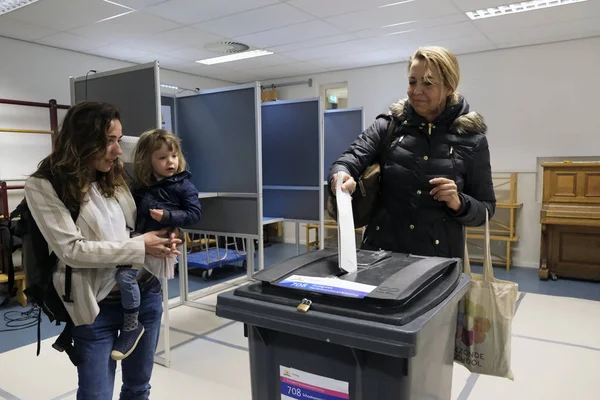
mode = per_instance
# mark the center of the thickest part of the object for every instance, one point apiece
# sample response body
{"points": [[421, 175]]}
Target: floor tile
{"points": [[20, 366], [544, 371], [213, 362], [175, 338], [193, 320], [233, 334], [560, 319]]}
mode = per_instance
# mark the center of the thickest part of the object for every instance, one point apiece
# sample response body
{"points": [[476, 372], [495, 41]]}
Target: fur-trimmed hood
{"points": [[465, 121]]}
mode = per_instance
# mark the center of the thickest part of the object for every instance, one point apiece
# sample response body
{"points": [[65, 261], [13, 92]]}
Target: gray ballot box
{"points": [[386, 331]]}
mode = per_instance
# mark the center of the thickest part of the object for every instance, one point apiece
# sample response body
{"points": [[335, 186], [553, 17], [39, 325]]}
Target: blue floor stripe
{"points": [[195, 336], [65, 395], [580, 346], [468, 388], [217, 341], [8, 396]]}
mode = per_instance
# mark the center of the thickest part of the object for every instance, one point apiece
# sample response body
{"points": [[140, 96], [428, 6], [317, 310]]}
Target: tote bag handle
{"points": [[488, 272]]}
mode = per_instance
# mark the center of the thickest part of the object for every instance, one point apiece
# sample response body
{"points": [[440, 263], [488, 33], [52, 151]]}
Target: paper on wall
{"points": [[346, 239]]}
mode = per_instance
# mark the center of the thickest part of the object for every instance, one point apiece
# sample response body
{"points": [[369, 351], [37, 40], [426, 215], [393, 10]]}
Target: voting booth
{"points": [[385, 331]]}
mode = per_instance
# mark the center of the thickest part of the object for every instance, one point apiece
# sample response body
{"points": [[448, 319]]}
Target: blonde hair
{"points": [[149, 142], [443, 63]]}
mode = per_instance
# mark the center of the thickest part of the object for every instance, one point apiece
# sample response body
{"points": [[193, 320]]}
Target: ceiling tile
{"points": [[547, 33], [121, 52], [289, 34], [286, 71], [191, 54], [329, 8], [251, 64], [376, 18], [216, 72], [193, 11], [416, 25], [345, 37], [21, 30], [464, 45], [70, 41], [258, 20], [362, 59], [173, 62], [63, 15], [336, 49], [540, 17], [472, 5], [175, 39], [128, 27], [416, 38]]}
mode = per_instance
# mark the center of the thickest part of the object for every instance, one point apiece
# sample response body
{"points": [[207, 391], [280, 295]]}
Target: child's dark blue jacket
{"points": [[176, 195]]}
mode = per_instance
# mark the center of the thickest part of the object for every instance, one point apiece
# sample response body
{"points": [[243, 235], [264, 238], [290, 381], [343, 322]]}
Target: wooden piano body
{"points": [[570, 221]]}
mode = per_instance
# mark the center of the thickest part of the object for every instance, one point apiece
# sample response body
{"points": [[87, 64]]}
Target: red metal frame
{"points": [[52, 105]]}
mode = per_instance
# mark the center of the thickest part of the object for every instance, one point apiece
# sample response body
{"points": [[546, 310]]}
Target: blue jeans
{"points": [[128, 286], [95, 343]]}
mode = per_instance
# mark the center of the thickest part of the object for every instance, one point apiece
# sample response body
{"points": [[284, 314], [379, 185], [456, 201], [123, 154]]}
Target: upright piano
{"points": [[570, 221]]}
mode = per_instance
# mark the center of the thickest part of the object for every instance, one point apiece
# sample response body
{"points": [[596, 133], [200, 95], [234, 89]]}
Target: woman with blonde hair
{"points": [[436, 177]]}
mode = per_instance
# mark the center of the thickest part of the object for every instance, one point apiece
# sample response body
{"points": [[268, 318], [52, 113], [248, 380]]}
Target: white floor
{"points": [[556, 355]]}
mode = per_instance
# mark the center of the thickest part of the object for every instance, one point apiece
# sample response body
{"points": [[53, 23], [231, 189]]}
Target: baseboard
{"points": [[527, 264]]}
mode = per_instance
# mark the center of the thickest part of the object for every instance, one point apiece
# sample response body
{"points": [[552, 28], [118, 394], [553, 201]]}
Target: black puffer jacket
{"points": [[408, 219]]}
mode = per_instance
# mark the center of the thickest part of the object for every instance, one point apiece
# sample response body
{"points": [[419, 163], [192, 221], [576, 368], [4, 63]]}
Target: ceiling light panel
{"points": [[235, 57], [7, 6], [518, 8]]}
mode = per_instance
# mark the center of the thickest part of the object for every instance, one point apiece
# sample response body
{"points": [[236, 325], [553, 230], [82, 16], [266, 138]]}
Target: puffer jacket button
{"points": [[437, 242], [377, 228], [411, 227]]}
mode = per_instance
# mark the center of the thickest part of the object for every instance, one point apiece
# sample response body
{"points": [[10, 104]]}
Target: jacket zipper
{"points": [[430, 126]]}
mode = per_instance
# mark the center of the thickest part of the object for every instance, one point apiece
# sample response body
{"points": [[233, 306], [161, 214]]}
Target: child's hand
{"points": [[157, 214]]}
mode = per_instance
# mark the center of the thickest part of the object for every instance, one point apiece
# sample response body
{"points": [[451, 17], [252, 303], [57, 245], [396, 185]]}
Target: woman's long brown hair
{"points": [[82, 137]]}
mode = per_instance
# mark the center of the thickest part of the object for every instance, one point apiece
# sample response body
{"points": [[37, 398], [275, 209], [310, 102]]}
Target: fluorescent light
{"points": [[518, 8], [235, 57], [169, 86], [117, 4], [396, 4], [114, 16], [399, 33], [398, 24], [7, 6]]}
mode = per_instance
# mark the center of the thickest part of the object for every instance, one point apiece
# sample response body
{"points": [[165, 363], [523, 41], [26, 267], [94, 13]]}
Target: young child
{"points": [[165, 197]]}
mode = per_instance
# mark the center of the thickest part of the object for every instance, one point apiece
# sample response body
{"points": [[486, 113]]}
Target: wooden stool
{"points": [[19, 284]]}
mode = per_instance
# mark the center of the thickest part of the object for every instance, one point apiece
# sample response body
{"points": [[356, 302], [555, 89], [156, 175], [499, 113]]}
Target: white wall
{"points": [[538, 101], [39, 73]]}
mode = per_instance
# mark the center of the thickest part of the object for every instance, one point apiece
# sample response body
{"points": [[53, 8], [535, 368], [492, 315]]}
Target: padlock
{"points": [[305, 305]]}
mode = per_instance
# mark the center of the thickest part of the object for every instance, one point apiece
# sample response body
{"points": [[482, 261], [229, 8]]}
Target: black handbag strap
{"points": [[387, 141]]}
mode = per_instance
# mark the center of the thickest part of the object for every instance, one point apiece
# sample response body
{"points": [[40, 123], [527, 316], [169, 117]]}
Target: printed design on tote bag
{"points": [[473, 325]]}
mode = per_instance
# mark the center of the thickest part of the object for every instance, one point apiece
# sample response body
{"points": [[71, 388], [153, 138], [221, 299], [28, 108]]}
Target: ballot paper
{"points": [[346, 239]]}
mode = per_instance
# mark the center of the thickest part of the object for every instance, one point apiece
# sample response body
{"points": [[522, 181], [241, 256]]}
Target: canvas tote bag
{"points": [[485, 315]]}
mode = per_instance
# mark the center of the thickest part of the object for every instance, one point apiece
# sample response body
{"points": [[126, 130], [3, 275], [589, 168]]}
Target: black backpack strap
{"points": [[68, 274], [64, 342], [56, 184], [7, 250]]}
